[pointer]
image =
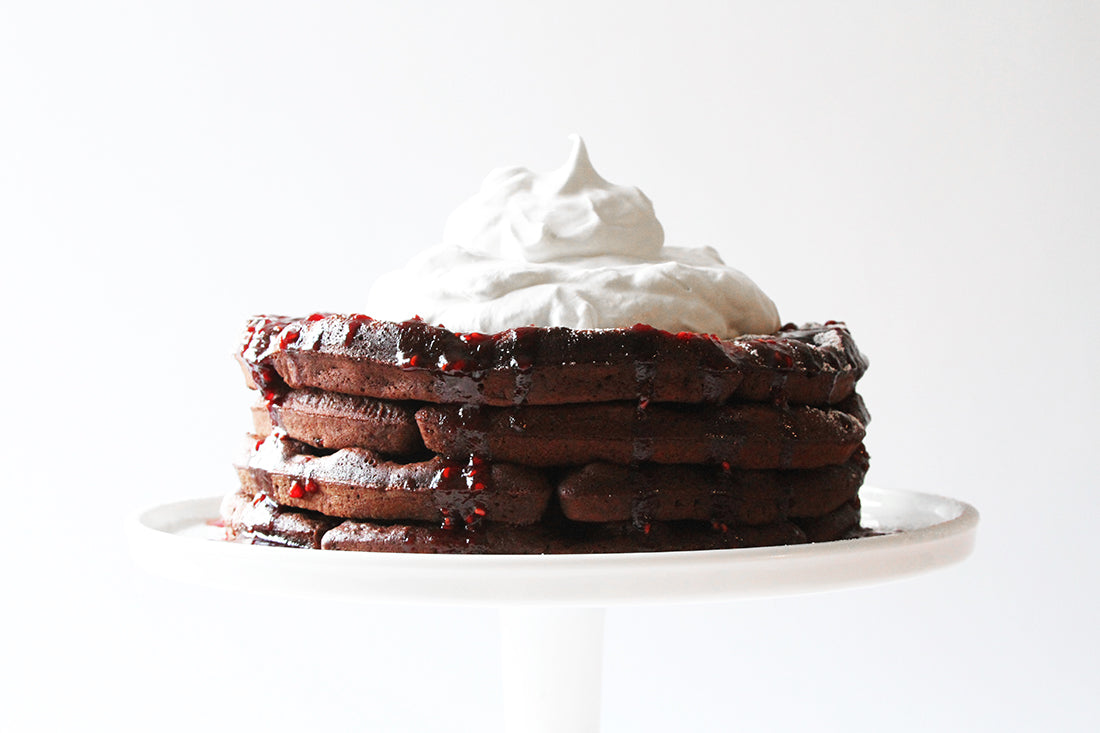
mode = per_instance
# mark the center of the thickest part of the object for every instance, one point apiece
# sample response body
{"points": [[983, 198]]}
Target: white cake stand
{"points": [[552, 606]]}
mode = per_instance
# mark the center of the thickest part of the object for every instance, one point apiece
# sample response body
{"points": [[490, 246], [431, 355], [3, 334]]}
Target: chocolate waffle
{"points": [[259, 519], [747, 435], [358, 483], [413, 361]]}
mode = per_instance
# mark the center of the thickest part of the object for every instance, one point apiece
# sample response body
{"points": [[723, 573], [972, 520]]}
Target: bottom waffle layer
{"points": [[261, 520]]}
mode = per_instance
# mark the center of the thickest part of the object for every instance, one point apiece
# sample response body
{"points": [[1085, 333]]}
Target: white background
{"points": [[927, 172]]}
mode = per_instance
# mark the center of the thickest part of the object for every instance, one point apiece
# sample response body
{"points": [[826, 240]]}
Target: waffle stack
{"points": [[407, 437]]}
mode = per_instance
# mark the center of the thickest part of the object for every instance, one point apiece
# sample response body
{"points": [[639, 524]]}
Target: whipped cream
{"points": [[568, 248]]}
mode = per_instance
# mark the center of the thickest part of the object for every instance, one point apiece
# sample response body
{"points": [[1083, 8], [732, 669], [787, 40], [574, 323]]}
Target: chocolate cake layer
{"points": [[354, 483], [842, 522], [557, 435], [604, 492], [333, 420], [814, 364], [265, 522], [357, 483], [262, 521], [746, 435], [541, 436]]}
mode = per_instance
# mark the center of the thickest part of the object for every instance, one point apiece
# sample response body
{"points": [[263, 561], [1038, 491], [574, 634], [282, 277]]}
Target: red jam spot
{"points": [[784, 361], [725, 465], [288, 336], [480, 511], [258, 498], [449, 472], [478, 486], [311, 486], [448, 523], [353, 328], [315, 316], [643, 403], [831, 323], [645, 528], [720, 526], [473, 338], [414, 361], [685, 335], [296, 490]]}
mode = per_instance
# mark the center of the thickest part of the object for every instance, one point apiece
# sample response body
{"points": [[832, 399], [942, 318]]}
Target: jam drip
{"points": [[464, 484], [647, 495], [461, 489], [725, 499], [264, 335]]}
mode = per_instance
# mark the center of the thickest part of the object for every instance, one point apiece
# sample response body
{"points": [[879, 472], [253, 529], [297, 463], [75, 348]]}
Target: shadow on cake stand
{"points": [[552, 606]]}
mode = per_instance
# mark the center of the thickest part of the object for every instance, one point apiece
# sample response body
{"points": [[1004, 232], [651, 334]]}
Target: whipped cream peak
{"points": [[568, 248], [577, 173], [569, 212]]}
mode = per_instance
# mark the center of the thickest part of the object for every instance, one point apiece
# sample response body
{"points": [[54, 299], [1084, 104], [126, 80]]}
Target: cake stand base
{"points": [[549, 655], [552, 606]]}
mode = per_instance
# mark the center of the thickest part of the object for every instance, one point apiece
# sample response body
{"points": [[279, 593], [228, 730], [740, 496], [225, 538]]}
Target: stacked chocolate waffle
{"points": [[406, 437]]}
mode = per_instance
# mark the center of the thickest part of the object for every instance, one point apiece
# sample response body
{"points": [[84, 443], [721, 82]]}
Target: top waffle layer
{"points": [[810, 365]]}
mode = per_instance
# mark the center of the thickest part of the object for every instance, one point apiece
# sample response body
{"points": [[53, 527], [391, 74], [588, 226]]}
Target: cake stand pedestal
{"points": [[552, 606]]}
